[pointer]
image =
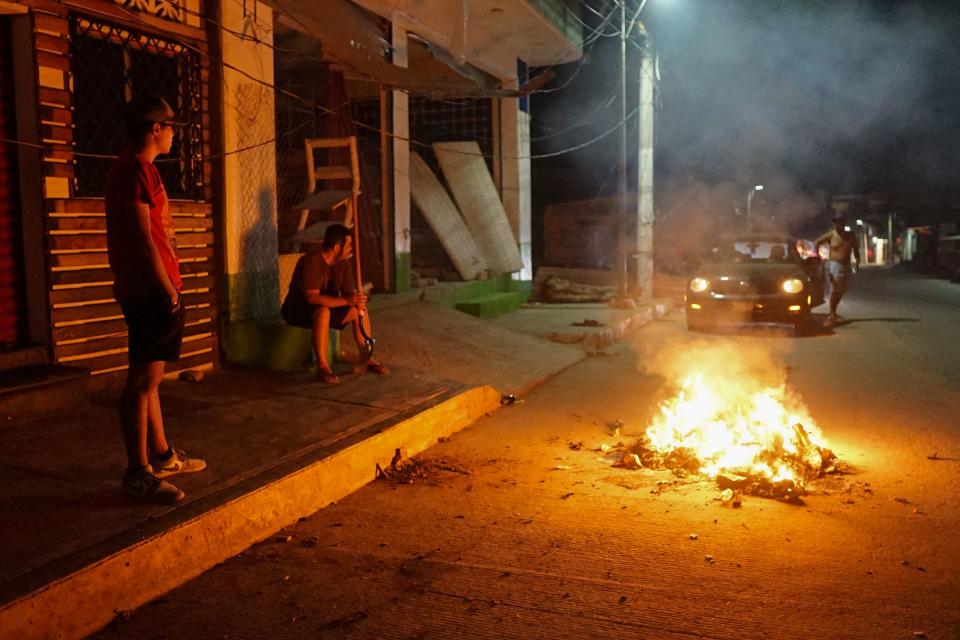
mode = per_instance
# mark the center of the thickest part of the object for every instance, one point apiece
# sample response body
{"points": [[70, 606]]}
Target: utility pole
{"points": [[890, 239], [645, 172], [622, 209]]}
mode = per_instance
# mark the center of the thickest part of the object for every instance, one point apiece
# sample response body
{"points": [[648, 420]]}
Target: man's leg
{"points": [[141, 384], [353, 318], [156, 437], [321, 337], [139, 481]]}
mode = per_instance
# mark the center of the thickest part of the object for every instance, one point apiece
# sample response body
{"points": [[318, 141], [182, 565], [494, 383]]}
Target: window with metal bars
{"points": [[111, 64]]}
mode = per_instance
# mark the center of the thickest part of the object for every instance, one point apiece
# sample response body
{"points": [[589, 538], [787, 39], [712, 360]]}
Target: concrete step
{"points": [[493, 304], [37, 390]]}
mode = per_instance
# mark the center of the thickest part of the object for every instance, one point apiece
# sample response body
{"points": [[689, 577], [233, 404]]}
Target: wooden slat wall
{"points": [[87, 327]]}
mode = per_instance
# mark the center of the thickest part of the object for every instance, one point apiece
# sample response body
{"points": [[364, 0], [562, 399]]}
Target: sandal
{"points": [[327, 377], [377, 368]]}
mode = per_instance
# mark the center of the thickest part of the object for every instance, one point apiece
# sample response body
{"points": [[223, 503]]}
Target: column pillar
{"points": [[401, 167], [250, 176], [513, 152]]}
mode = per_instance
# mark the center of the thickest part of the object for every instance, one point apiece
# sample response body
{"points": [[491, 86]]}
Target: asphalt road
{"points": [[513, 534]]}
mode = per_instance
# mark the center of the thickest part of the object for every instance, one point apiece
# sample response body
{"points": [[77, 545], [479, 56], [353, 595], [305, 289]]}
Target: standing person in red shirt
{"points": [[142, 249]]}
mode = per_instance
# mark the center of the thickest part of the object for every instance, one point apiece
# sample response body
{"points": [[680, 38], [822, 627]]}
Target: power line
{"points": [[280, 91], [302, 100]]}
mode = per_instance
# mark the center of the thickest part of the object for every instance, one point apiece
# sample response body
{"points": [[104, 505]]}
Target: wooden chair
{"points": [[328, 199]]}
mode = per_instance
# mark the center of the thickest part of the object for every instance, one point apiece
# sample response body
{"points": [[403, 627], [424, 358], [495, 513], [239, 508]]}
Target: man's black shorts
{"points": [[302, 315], [155, 332]]}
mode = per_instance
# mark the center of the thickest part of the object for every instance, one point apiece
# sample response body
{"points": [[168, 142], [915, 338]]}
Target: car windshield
{"points": [[743, 250]]}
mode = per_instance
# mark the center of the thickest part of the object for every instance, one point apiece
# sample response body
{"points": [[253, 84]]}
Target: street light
{"points": [[759, 187]]}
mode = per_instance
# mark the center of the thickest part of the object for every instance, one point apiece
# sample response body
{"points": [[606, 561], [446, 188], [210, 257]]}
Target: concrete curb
{"points": [[165, 554], [594, 342]]}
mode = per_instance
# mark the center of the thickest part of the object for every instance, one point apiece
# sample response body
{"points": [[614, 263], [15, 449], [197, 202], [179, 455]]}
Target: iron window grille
{"points": [[111, 64]]}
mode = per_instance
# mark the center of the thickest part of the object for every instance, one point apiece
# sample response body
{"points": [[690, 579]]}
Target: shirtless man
{"points": [[842, 243]]}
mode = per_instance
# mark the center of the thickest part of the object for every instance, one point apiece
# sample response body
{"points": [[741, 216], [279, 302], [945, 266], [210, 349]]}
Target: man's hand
{"points": [[358, 299], [174, 300]]}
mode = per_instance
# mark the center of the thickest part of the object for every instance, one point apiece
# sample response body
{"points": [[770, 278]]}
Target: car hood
{"points": [[750, 272]]}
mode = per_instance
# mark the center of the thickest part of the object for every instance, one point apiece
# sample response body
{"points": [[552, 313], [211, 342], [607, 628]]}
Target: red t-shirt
{"points": [[132, 180]]}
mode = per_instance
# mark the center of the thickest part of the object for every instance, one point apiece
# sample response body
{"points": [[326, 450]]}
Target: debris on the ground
{"points": [[902, 500], [616, 426], [403, 470], [557, 289], [709, 558], [283, 537], [623, 599], [345, 621], [509, 398], [662, 485], [629, 461], [575, 446], [566, 495], [604, 448], [731, 498], [937, 456], [693, 536], [560, 467], [191, 375], [310, 542], [588, 322]]}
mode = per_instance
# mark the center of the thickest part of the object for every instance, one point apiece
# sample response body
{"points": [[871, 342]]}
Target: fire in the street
{"points": [[751, 438]]}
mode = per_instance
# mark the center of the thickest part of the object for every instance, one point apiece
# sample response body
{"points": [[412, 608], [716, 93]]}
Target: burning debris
{"points": [[751, 439]]}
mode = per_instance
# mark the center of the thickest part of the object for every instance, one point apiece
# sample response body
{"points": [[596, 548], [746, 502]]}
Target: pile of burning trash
{"points": [[751, 439]]}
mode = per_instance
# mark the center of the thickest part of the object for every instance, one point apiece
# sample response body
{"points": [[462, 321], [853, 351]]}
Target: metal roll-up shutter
{"points": [[11, 302]]}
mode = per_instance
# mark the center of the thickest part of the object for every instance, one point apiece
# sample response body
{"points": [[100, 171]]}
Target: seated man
{"points": [[322, 296]]}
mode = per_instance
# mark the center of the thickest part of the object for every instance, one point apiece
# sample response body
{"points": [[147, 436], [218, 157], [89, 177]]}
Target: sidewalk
{"points": [[279, 447]]}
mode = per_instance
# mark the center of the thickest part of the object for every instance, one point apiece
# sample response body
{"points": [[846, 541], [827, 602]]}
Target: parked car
{"points": [[756, 277]]}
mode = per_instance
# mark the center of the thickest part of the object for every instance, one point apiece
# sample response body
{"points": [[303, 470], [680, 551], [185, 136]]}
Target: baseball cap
{"points": [[150, 109]]}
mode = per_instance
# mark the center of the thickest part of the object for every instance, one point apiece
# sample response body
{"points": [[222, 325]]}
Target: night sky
{"points": [[816, 96]]}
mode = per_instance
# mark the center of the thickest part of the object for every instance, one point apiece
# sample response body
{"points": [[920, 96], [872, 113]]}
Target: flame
{"points": [[735, 425]]}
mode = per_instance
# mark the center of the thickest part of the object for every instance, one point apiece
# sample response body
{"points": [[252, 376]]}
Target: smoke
{"points": [[676, 357], [829, 95], [843, 95]]}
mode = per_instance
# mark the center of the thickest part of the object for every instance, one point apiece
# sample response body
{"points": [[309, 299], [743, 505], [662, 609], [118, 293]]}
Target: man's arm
{"points": [[152, 256], [855, 241], [313, 296], [823, 238]]}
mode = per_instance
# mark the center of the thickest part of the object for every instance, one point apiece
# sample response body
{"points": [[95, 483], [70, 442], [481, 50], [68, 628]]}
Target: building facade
{"points": [[406, 71]]}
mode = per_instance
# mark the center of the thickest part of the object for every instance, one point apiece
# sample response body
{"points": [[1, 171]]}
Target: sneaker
{"points": [[144, 485], [830, 320], [178, 463]]}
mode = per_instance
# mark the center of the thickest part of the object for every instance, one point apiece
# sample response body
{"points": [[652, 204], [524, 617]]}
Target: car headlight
{"points": [[792, 285], [699, 285]]}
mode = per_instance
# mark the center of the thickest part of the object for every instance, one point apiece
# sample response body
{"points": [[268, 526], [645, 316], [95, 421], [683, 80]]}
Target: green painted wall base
{"points": [[402, 267], [273, 344]]}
